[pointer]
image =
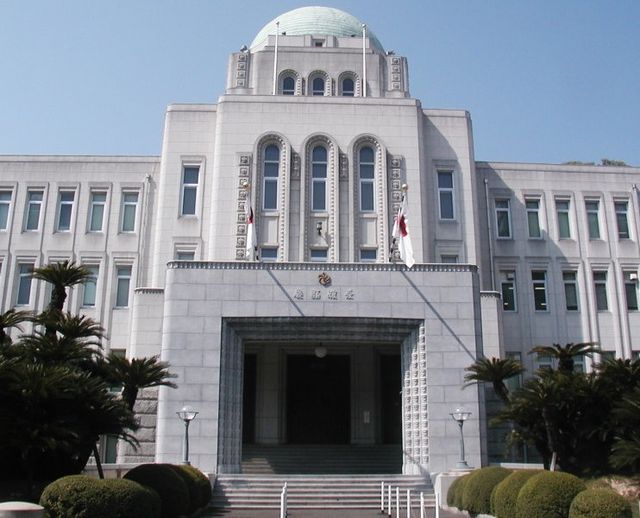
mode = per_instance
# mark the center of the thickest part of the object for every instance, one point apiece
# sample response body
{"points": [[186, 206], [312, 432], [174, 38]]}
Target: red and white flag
{"points": [[401, 235], [252, 244]]}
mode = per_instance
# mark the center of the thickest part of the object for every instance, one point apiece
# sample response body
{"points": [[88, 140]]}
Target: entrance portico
{"points": [[218, 314]]}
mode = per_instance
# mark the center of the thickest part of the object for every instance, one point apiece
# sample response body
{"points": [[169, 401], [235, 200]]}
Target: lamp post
{"points": [[460, 416], [187, 414]]}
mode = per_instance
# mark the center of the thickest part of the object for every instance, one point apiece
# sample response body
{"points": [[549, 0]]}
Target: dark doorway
{"points": [[249, 399], [390, 398], [318, 399]]}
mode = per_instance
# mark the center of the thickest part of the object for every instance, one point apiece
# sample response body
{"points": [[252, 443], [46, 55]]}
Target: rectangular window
{"points": [[570, 290], [564, 224], [508, 288], [185, 255], [503, 219], [544, 362], [5, 206], [539, 284], [533, 218], [129, 209], [445, 194], [65, 209], [593, 221], [622, 219], [190, 176], [368, 255], [600, 285], [269, 253], [23, 297], [635, 355], [34, 206], [514, 382], [449, 258], [96, 211], [90, 286], [123, 283], [319, 255], [631, 290]]}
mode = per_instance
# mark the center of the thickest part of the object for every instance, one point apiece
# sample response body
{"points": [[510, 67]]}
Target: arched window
{"points": [[348, 87], [366, 170], [319, 178], [270, 171], [317, 86], [288, 86]]}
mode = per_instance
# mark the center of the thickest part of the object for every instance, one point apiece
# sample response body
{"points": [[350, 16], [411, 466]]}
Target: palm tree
{"points": [[9, 319], [494, 371], [137, 373], [625, 452], [61, 275], [565, 354]]}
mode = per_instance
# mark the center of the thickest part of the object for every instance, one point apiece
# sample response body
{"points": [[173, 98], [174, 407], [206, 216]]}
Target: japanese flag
{"points": [[401, 235], [251, 245]]}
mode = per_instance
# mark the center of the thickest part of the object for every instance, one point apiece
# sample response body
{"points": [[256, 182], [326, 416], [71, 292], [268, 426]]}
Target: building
{"points": [[312, 342]]}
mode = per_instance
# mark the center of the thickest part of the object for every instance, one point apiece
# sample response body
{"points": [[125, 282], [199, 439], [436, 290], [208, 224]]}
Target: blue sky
{"points": [[545, 81]]}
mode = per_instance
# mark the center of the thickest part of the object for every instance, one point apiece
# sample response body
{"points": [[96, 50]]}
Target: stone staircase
{"points": [[316, 491]]}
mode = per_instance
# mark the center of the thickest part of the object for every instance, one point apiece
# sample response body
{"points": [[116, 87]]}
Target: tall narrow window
{"points": [[90, 285], [129, 209], [622, 220], [593, 221], [319, 178], [539, 284], [570, 290], [600, 285], [34, 206], [96, 212], [123, 284], [533, 218], [189, 189], [348, 87], [508, 287], [631, 290], [317, 86], [445, 194], [23, 297], [5, 205], [562, 212], [366, 169], [271, 169], [514, 382], [503, 218], [288, 86], [65, 209]]}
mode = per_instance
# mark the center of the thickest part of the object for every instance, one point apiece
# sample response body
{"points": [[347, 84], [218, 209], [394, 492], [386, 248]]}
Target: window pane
{"points": [[366, 171], [5, 201], [272, 153], [368, 255], [319, 171], [288, 86], [319, 255], [508, 296], [122, 289], [445, 180], [632, 295], [600, 281], [131, 197], [269, 253], [592, 219], [366, 155], [64, 221], [318, 86], [319, 154], [571, 296], [129, 218], [33, 210], [191, 175], [621, 220], [319, 196], [98, 200], [533, 219], [24, 284], [185, 256], [446, 205], [347, 87], [89, 292], [503, 224], [110, 449], [366, 196], [564, 229], [270, 195], [189, 200], [539, 290]]}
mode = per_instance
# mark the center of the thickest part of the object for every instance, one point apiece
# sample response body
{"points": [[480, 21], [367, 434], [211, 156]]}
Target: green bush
{"points": [[476, 496], [595, 503], [79, 496], [459, 491], [201, 482], [453, 489], [505, 494], [173, 491], [192, 487], [548, 495]]}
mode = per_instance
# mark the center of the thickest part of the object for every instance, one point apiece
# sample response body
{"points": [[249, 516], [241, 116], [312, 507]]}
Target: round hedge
{"points": [[173, 491], [79, 496], [192, 487], [201, 481], [548, 495], [476, 496], [594, 503], [505, 494], [457, 497], [452, 492]]}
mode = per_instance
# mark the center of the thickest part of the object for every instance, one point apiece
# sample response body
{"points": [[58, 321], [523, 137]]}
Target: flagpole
{"points": [[275, 61], [364, 60]]}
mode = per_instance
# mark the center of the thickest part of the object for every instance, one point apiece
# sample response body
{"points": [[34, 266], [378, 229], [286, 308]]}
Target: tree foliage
{"points": [[495, 371]]}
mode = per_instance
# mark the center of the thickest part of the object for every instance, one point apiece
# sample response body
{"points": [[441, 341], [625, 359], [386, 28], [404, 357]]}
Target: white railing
{"points": [[389, 503], [283, 501]]}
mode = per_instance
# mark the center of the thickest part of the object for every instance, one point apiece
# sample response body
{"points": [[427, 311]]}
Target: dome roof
{"points": [[316, 21]]}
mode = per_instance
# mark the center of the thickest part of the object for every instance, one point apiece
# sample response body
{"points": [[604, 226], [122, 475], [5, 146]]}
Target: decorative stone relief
{"points": [[295, 165], [244, 176], [242, 67], [396, 176], [344, 166]]}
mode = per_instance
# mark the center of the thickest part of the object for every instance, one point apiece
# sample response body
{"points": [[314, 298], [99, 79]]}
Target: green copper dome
{"points": [[320, 21]]}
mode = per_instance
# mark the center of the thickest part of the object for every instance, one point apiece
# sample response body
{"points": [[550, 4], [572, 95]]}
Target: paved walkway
{"points": [[323, 513]]}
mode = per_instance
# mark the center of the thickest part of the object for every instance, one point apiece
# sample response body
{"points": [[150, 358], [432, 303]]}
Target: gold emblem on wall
{"points": [[324, 279]]}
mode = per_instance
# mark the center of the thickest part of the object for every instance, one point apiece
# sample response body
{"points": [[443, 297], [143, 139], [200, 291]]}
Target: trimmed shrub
{"points": [[173, 491], [505, 494], [192, 487], [595, 503], [459, 491], [79, 496], [451, 493], [476, 496], [201, 481], [548, 495]]}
